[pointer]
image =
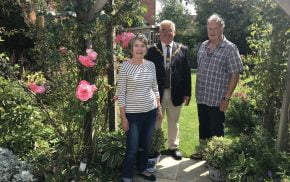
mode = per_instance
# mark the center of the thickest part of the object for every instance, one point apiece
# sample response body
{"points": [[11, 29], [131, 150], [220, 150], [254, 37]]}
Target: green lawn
{"points": [[188, 124]]}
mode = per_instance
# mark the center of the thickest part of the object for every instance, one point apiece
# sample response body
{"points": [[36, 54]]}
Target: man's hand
{"points": [[186, 100], [224, 105]]}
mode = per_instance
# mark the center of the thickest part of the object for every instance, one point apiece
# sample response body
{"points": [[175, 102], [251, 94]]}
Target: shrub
{"points": [[241, 113], [218, 150], [12, 169], [258, 159], [112, 148], [22, 124], [251, 157]]}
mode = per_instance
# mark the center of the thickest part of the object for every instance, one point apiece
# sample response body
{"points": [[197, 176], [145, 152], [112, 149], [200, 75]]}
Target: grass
{"points": [[188, 124]]}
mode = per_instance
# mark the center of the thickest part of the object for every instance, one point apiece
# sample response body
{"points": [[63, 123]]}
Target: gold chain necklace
{"points": [[175, 52]]}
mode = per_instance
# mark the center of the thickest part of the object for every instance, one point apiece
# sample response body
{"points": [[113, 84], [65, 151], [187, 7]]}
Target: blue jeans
{"points": [[139, 137]]}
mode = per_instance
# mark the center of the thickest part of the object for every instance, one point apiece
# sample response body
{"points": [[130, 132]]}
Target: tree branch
{"points": [[42, 108], [94, 8]]}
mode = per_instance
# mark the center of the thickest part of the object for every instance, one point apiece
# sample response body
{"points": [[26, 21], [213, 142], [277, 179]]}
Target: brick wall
{"points": [[150, 15]]}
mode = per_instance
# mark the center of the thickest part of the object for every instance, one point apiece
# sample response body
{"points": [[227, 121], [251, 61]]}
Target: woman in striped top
{"points": [[138, 99]]}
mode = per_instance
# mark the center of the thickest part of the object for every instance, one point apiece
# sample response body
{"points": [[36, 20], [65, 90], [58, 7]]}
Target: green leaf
{"points": [[105, 156]]}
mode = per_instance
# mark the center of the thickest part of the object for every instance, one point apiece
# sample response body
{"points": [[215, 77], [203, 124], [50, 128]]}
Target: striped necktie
{"points": [[167, 53], [167, 67]]}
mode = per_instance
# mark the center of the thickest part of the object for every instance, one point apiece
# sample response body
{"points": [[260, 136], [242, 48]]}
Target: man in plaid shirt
{"points": [[219, 66]]}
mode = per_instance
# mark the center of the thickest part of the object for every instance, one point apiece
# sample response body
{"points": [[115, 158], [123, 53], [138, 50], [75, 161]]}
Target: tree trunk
{"points": [[111, 74], [283, 131]]}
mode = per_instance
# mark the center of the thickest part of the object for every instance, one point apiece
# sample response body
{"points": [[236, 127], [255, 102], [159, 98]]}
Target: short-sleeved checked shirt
{"points": [[213, 71]]}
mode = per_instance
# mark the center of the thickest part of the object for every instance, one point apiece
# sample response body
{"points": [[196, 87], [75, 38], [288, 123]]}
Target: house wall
{"points": [[154, 7], [150, 15]]}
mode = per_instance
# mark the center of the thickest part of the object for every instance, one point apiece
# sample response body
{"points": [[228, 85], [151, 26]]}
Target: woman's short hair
{"points": [[141, 37]]}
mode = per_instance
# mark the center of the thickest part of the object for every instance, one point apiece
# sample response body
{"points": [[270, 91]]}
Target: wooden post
{"points": [[283, 136], [284, 4], [110, 34]]}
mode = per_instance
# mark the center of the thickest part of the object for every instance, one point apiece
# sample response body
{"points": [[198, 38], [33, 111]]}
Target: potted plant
{"points": [[157, 146], [217, 153]]}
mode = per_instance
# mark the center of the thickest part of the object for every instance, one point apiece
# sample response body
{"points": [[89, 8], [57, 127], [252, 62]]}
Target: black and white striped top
{"points": [[137, 88]]}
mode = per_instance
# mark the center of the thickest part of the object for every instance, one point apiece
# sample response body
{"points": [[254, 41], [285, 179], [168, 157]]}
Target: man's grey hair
{"points": [[217, 18], [167, 22]]}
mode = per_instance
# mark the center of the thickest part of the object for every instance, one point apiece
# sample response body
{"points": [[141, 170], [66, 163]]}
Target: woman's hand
{"points": [[159, 114], [124, 120], [125, 124]]}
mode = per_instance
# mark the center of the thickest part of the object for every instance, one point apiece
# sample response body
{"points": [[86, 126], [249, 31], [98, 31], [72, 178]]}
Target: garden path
{"points": [[185, 170]]}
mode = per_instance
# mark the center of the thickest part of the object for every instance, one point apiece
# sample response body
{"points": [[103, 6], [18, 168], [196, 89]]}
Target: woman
{"points": [[139, 103]]}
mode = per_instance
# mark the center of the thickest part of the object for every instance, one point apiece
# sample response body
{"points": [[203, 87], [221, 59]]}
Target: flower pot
{"points": [[152, 163], [216, 174]]}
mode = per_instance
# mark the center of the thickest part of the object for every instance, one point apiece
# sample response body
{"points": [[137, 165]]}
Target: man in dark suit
{"points": [[174, 80]]}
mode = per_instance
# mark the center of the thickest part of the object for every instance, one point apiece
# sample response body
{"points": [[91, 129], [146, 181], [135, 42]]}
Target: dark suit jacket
{"points": [[180, 71]]}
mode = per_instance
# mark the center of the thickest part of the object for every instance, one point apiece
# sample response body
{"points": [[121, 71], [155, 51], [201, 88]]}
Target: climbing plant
{"points": [[269, 41]]}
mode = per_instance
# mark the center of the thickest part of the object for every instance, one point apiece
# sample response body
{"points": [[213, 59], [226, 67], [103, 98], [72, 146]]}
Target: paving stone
{"points": [[185, 170], [168, 168], [193, 171]]}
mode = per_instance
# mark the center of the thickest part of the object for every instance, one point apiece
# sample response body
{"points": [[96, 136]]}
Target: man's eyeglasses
{"points": [[166, 30]]}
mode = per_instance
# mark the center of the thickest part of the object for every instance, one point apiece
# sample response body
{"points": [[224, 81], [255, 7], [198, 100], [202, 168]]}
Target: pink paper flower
{"points": [[85, 90], [127, 36], [86, 61], [118, 39], [36, 89], [124, 39], [92, 54]]}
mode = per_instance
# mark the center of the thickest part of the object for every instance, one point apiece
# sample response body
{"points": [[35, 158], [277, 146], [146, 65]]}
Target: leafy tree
{"points": [[236, 18], [174, 11], [267, 65], [14, 23]]}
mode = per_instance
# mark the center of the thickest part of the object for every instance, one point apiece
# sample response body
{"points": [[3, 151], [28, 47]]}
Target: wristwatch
{"points": [[226, 99]]}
